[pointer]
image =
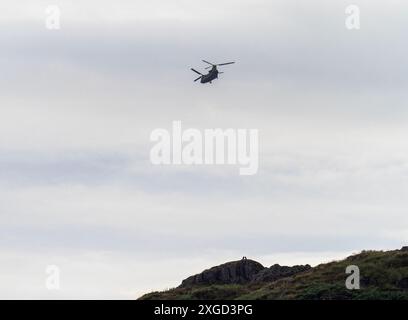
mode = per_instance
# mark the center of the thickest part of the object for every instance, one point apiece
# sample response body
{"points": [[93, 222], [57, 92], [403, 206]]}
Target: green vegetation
{"points": [[384, 276]]}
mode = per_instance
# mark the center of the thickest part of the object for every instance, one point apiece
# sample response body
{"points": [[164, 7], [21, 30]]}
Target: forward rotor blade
{"points": [[196, 71], [209, 62], [224, 64], [198, 79]]}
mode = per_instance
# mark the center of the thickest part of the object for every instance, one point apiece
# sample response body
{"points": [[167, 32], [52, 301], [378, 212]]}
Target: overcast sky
{"points": [[77, 106]]}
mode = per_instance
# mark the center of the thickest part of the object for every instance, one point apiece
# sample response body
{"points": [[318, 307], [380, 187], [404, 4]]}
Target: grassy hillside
{"points": [[384, 275]]}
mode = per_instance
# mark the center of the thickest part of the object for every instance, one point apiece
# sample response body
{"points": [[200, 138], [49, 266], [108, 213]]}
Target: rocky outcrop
{"points": [[383, 276], [276, 272], [235, 272], [242, 272]]}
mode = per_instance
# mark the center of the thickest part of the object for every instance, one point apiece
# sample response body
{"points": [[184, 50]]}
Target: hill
{"points": [[383, 276]]}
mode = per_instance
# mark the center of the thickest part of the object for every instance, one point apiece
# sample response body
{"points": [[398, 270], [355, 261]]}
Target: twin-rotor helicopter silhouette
{"points": [[212, 74]]}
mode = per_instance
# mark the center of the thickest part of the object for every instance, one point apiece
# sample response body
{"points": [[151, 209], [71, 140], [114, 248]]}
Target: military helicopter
{"points": [[212, 74]]}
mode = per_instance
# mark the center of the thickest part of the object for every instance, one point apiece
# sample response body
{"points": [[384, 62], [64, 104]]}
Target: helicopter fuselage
{"points": [[212, 75]]}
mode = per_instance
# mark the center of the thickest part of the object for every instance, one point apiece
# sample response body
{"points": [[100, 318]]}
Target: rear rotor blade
{"points": [[196, 71], [198, 79], [224, 64]]}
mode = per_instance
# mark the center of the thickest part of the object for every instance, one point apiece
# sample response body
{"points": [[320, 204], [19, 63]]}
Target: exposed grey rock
{"points": [[235, 272], [276, 272], [242, 272]]}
